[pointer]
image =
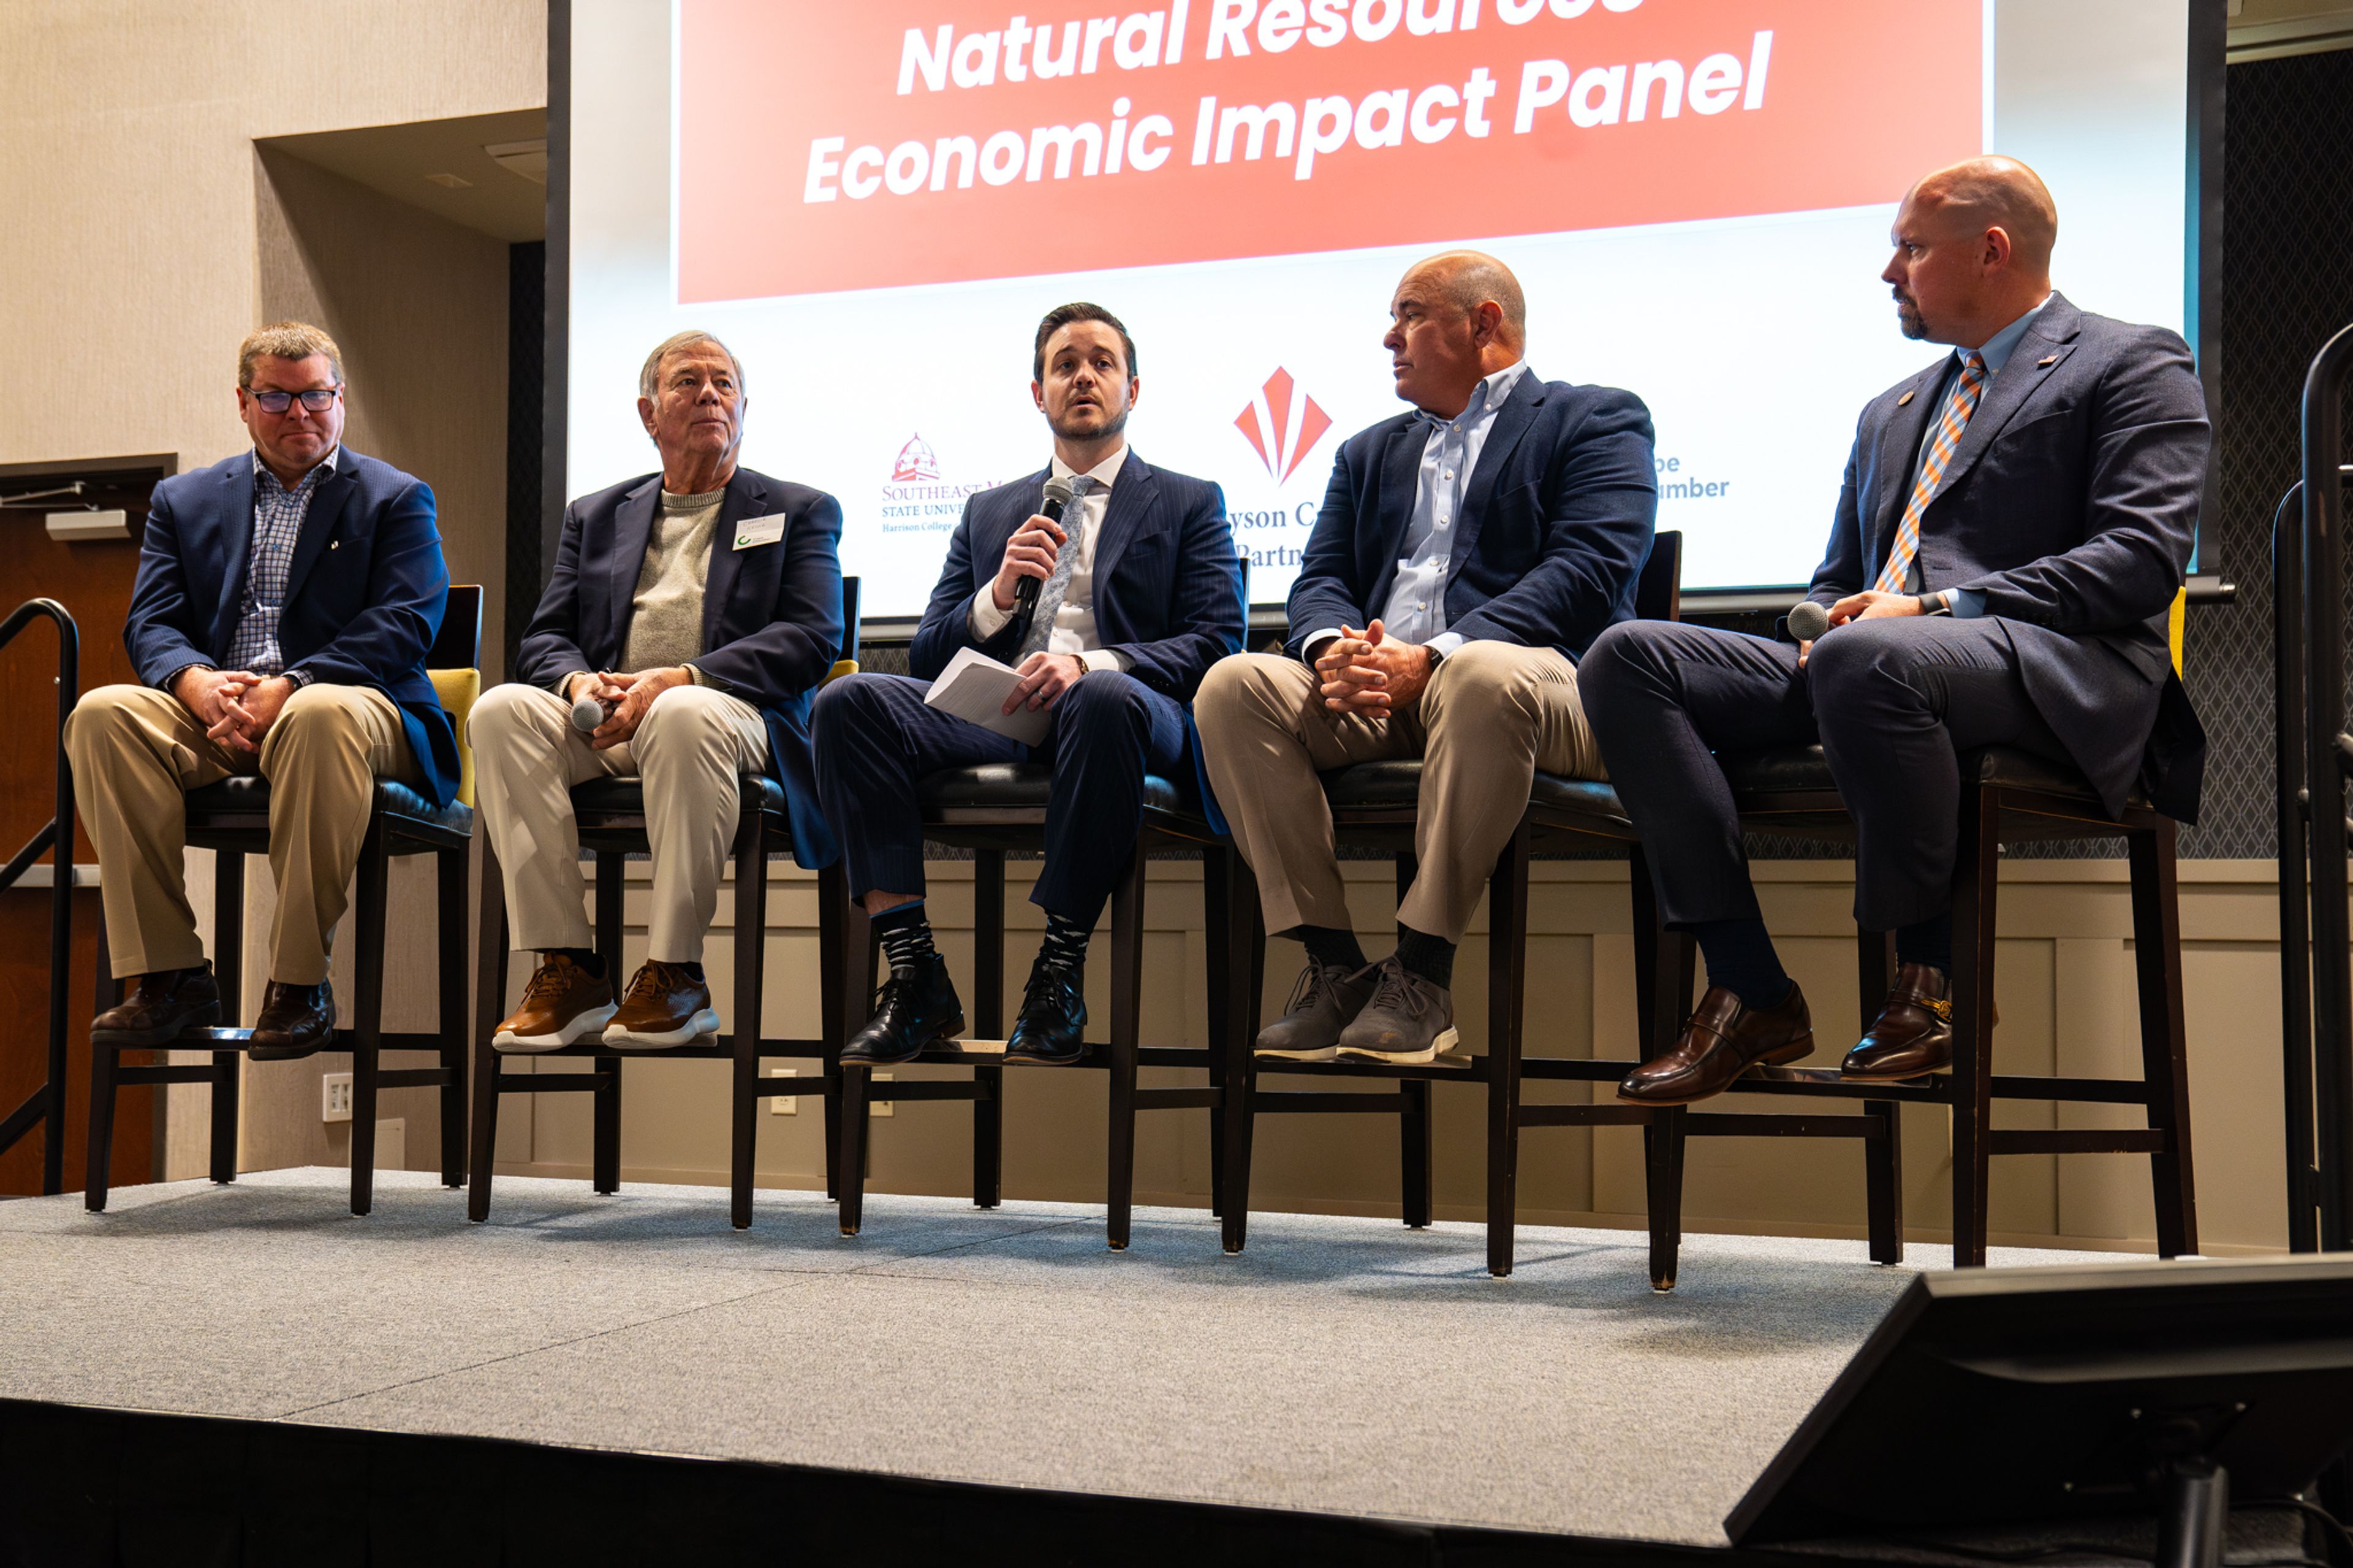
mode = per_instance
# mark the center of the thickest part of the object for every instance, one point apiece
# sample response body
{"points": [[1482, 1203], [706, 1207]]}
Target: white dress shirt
{"points": [[1416, 612], [1074, 621]]}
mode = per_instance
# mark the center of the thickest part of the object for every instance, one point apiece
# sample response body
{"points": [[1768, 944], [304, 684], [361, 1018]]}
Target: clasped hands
{"points": [[1371, 673], [1030, 553], [626, 699], [236, 706], [1871, 605]]}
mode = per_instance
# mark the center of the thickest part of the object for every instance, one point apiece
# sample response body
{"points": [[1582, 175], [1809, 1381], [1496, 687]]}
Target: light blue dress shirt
{"points": [[1969, 602]]}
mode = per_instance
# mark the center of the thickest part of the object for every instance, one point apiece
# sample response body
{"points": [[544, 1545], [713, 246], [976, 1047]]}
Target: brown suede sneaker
{"points": [[562, 1003], [666, 1007]]}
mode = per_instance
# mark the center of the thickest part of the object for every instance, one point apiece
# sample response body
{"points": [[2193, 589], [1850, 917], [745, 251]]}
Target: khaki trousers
{"points": [[690, 749], [1493, 714], [137, 751]]}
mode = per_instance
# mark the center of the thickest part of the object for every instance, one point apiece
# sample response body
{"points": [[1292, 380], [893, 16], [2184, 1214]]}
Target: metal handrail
{"points": [[2321, 722], [46, 1106]]}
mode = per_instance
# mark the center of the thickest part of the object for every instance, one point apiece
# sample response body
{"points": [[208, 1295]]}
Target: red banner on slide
{"points": [[837, 146]]}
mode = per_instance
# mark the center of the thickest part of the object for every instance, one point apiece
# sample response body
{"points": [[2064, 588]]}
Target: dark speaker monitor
{"points": [[1998, 1396]]}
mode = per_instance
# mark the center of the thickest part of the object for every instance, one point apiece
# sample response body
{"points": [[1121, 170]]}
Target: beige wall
{"points": [[2065, 987], [162, 236]]}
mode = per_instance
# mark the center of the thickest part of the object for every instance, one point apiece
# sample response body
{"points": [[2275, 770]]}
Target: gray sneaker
{"points": [[1325, 998], [1407, 1019]]}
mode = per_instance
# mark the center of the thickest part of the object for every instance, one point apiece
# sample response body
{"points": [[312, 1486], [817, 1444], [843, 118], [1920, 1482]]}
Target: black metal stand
{"points": [[2197, 1509], [46, 1107]]}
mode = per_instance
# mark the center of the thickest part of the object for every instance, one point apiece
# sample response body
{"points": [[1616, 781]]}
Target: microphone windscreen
{"points": [[586, 714], [1809, 620], [1058, 491]]}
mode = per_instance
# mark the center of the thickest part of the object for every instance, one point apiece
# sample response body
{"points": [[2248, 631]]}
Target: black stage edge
{"points": [[82, 1485]]}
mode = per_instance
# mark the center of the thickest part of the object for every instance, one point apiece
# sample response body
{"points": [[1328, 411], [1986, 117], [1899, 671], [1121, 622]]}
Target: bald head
{"points": [[1973, 247], [1455, 318], [1467, 280]]}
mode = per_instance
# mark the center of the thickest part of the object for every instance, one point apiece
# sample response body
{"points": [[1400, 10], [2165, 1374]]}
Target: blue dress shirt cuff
{"points": [[1444, 643], [1969, 604]]}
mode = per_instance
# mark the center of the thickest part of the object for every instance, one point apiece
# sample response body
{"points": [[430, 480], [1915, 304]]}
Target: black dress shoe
{"points": [[296, 1020], [159, 1008], [1052, 1029], [912, 1009]]}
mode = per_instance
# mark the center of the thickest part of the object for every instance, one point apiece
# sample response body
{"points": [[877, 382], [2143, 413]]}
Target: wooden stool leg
{"points": [[490, 1004], [228, 974], [1126, 1024], [1414, 1151], [452, 867], [1217, 948], [98, 1150], [1507, 918], [836, 997], [1235, 1110], [605, 1152], [987, 1020], [1977, 871], [2164, 1047], [1663, 1138], [1883, 1157], [849, 1180], [367, 1011], [751, 953]]}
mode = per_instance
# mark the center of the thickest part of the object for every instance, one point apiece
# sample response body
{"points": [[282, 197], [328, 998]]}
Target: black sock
{"points": [[1430, 957], [1741, 958], [1328, 945], [906, 936], [1928, 942], [585, 957], [1065, 947], [693, 968]]}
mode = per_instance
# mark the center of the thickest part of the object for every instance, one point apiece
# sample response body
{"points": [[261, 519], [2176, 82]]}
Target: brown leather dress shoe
{"points": [[1722, 1041], [159, 1007], [1913, 1035], [666, 1007], [296, 1020], [562, 1003]]}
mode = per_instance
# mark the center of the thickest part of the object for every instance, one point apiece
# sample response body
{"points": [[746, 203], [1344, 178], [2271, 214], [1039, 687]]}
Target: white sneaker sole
{"points": [[1439, 1047], [703, 1023], [1327, 1054], [588, 1020]]}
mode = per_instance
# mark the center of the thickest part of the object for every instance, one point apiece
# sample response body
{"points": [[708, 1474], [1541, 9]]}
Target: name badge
{"points": [[758, 530]]}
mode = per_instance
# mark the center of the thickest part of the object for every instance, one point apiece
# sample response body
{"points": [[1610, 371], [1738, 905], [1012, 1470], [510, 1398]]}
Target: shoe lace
{"points": [[655, 977], [550, 980], [1043, 982], [1395, 990], [1308, 990]]}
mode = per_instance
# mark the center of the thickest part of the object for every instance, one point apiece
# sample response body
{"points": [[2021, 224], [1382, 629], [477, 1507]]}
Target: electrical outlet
{"points": [[335, 1097], [880, 1107], [785, 1104]]}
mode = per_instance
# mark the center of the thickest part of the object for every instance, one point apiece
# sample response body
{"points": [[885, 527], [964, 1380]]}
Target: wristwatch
{"points": [[1940, 603]]}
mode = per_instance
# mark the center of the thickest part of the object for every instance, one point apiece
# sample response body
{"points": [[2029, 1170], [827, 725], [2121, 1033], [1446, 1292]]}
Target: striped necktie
{"points": [[1951, 421], [1051, 592]]}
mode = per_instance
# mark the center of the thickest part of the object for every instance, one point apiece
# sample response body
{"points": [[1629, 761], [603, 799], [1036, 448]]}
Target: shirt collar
{"points": [[1103, 473], [1999, 347], [1492, 393], [325, 465]]}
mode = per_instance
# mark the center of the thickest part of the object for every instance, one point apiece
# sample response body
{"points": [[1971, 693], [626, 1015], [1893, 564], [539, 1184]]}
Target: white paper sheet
{"points": [[974, 688]]}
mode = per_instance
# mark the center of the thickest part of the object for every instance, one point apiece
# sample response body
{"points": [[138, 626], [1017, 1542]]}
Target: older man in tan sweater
{"points": [[699, 608]]}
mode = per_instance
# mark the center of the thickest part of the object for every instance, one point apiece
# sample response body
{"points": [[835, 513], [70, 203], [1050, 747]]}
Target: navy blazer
{"points": [[771, 614], [364, 594], [1556, 524], [2072, 504], [1167, 584]]}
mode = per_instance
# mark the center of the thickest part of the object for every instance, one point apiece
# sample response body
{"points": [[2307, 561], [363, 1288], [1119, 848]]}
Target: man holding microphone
{"points": [[1138, 594]]}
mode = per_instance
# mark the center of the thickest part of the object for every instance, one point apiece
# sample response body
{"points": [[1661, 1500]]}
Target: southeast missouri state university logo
{"points": [[916, 461], [1281, 427]]}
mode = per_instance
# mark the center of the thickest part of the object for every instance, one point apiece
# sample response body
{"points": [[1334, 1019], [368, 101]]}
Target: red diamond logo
{"points": [[1280, 429]]}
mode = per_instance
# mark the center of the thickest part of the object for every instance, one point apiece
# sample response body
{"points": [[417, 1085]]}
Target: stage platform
{"points": [[563, 1379]]}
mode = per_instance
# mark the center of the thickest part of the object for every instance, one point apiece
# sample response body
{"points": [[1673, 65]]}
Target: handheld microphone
{"points": [[1809, 620], [1025, 593], [588, 714]]}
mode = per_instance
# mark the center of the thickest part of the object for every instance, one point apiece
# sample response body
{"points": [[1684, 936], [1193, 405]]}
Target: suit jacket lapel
{"points": [[747, 498], [633, 526], [1124, 513], [1512, 422], [1401, 476], [1897, 459], [319, 520], [2022, 374], [235, 510]]}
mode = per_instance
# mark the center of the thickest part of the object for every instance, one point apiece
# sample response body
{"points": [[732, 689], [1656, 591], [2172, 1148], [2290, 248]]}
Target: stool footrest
{"points": [[2082, 1141], [1727, 1124], [191, 1072], [415, 1077], [1315, 1099]]}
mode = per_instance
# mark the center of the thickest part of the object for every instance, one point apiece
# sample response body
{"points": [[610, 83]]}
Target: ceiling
{"points": [[2264, 29], [442, 166]]}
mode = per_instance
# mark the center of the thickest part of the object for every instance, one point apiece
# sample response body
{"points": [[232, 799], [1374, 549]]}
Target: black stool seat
{"points": [[1017, 786], [1802, 770], [627, 797], [248, 795], [1394, 785]]}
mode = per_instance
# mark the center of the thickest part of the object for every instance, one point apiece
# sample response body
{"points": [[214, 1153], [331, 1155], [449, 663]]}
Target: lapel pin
{"points": [[334, 544], [1902, 400], [2046, 360]]}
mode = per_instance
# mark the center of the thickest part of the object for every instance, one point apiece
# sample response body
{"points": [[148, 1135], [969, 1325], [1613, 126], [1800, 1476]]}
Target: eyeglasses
{"points": [[318, 399]]}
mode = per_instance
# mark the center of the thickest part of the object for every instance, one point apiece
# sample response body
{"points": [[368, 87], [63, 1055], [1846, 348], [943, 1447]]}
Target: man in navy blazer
{"points": [[2015, 522], [1139, 593], [284, 604], [1466, 554], [691, 614]]}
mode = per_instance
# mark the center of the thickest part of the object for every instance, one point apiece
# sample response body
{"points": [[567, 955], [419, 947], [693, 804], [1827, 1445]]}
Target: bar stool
{"points": [[232, 819]]}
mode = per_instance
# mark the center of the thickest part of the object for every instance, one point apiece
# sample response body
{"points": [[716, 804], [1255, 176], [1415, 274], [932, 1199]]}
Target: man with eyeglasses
{"points": [[285, 600]]}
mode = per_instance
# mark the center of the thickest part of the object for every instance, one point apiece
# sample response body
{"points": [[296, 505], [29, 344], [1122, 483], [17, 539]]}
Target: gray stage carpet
{"points": [[1339, 1366]]}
